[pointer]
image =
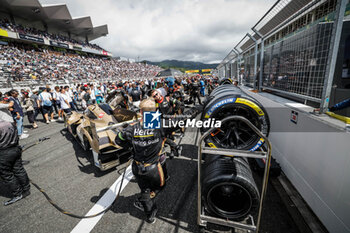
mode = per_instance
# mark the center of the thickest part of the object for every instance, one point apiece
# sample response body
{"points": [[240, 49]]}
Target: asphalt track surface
{"points": [[66, 172]]}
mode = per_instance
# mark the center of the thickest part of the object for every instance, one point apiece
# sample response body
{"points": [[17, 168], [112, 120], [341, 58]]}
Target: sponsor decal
{"points": [[260, 142], [219, 104], [101, 115], [3, 33], [250, 104], [294, 117]]}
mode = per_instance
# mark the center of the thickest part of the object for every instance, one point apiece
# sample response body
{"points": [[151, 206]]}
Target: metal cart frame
{"points": [[204, 219]]}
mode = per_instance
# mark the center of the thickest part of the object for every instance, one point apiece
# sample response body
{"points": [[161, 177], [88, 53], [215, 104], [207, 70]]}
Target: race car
{"points": [[84, 128]]}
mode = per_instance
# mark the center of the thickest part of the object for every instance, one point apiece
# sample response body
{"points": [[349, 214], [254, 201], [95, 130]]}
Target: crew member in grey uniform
{"points": [[12, 171]]}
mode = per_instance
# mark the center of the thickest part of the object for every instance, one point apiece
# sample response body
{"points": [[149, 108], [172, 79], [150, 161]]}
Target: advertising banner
{"points": [[59, 44], [3, 33], [191, 71], [31, 38], [77, 47]]}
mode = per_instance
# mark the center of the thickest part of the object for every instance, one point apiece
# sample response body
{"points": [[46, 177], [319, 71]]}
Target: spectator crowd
{"points": [[27, 63], [53, 102]]}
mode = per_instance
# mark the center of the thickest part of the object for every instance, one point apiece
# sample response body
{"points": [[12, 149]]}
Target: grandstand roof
{"points": [[54, 15]]}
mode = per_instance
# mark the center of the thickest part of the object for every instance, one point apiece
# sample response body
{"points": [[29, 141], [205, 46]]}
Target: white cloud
{"points": [[197, 30]]}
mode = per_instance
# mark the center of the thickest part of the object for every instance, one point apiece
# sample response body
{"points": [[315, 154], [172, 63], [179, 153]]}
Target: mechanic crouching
{"points": [[148, 166], [12, 171]]}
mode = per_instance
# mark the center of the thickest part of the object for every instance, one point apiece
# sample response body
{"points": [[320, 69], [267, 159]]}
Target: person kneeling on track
{"points": [[148, 167]]}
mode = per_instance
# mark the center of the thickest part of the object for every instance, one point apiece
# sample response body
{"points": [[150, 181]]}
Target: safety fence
{"points": [[298, 63], [299, 40]]}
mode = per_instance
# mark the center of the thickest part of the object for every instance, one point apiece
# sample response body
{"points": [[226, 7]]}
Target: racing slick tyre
{"points": [[235, 134], [228, 187]]}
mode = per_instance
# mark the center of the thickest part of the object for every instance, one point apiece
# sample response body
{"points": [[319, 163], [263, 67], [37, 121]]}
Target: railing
{"points": [[300, 41]]}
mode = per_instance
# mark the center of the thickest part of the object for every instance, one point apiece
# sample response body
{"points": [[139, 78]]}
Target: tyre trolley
{"points": [[203, 219]]}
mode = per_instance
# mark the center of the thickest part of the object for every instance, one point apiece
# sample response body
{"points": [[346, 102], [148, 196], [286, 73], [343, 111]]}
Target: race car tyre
{"points": [[228, 187], [235, 134]]}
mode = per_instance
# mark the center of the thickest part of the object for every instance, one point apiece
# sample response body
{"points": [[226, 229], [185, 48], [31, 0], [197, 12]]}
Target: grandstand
{"points": [[45, 45], [24, 66], [51, 25]]}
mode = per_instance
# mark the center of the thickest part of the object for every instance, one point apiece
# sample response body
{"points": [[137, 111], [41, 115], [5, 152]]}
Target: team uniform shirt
{"points": [[8, 135], [147, 143], [167, 106], [135, 94]]}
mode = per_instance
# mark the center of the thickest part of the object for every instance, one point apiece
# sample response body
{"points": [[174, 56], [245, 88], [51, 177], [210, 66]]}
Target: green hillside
{"points": [[182, 65]]}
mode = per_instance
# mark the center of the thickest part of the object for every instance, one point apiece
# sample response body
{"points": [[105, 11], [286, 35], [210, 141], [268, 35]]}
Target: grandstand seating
{"points": [[28, 66]]}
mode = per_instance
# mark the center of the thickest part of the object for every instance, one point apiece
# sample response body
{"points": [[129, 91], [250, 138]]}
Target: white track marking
{"points": [[87, 224]]}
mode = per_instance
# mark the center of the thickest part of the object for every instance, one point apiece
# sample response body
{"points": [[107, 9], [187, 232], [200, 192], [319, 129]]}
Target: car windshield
{"points": [[106, 108]]}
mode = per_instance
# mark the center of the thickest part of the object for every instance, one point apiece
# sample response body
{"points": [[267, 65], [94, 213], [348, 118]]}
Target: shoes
{"points": [[13, 200], [139, 205], [151, 218], [35, 126], [47, 122], [52, 120], [25, 193], [25, 131], [23, 136], [60, 119]]}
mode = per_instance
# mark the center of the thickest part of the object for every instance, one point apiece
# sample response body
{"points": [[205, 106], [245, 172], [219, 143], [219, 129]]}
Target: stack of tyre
{"points": [[228, 187]]}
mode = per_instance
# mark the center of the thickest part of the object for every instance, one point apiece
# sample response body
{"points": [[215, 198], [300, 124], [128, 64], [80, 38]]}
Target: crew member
{"points": [[147, 145], [11, 167], [136, 94], [194, 91], [166, 105], [121, 91]]}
